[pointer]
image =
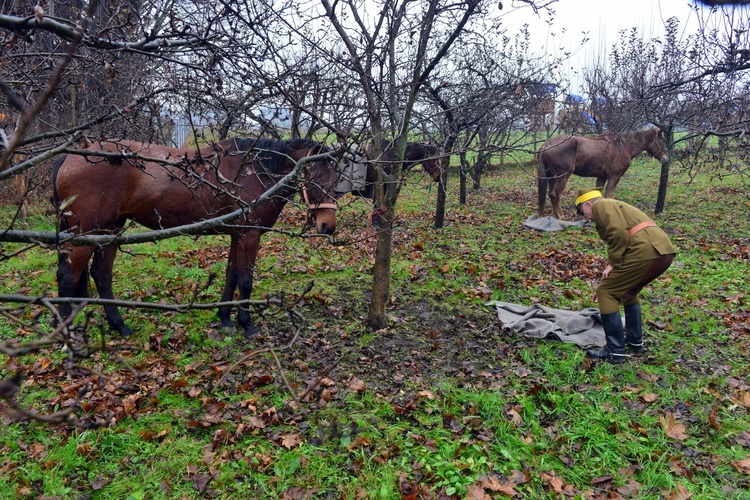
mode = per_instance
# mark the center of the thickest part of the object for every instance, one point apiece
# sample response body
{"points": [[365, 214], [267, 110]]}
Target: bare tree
{"points": [[677, 83], [392, 49], [480, 91], [123, 70]]}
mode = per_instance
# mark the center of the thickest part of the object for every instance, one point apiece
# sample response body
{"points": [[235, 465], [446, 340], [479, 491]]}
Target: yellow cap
{"points": [[585, 195]]}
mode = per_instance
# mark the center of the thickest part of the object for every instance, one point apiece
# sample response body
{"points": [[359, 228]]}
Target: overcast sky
{"points": [[602, 19]]}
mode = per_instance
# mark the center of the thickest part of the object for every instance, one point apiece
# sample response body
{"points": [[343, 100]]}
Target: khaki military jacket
{"points": [[613, 219]]}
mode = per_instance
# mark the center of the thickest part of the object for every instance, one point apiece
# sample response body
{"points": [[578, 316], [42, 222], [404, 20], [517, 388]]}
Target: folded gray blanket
{"points": [[552, 224], [583, 328]]}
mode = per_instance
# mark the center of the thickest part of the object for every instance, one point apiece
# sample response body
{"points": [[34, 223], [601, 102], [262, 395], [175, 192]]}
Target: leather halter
{"points": [[306, 197], [664, 150]]}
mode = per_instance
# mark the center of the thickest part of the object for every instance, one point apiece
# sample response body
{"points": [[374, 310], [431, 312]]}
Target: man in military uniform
{"points": [[638, 251]]}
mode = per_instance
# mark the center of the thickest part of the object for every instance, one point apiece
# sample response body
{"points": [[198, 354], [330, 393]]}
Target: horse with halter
{"points": [[416, 153], [109, 183], [361, 182], [606, 157]]}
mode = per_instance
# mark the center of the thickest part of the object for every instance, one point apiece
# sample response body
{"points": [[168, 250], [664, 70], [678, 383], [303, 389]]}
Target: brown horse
{"points": [[605, 157], [416, 153], [359, 178], [161, 187]]}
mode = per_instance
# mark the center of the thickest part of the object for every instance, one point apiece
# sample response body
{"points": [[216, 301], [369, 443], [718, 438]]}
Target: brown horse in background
{"points": [[606, 157], [161, 187], [416, 153]]}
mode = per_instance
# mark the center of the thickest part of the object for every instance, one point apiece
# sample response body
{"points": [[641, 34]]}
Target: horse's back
{"points": [[558, 154], [103, 190]]}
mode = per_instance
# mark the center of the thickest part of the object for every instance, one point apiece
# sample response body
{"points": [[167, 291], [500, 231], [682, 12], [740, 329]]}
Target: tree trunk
{"points": [[463, 169], [477, 178], [445, 163], [664, 177], [441, 197], [381, 275]]}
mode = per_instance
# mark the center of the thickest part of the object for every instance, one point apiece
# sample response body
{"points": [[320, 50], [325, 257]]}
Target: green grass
{"points": [[522, 413]]}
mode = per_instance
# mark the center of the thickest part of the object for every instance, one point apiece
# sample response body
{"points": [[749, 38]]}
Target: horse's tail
{"points": [[541, 180], [55, 194]]}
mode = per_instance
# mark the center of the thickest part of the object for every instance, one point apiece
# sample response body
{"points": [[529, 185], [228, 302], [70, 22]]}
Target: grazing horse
{"points": [[416, 153], [359, 177], [161, 187], [605, 157]]}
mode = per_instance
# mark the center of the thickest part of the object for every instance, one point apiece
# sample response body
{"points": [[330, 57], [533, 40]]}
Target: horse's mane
{"points": [[429, 149], [55, 195], [271, 152]]}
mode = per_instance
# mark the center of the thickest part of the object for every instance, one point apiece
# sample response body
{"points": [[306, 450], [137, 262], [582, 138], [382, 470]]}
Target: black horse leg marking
{"points": [[72, 278], [247, 251], [101, 271], [243, 315], [230, 285]]}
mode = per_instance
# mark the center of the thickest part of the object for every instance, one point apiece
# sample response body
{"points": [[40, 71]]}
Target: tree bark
{"points": [[442, 195], [661, 198], [663, 181], [381, 271], [462, 187]]}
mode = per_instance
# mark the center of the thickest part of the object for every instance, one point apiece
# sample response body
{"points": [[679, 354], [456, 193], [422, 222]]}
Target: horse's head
{"points": [[432, 167], [428, 156], [658, 146], [320, 179]]}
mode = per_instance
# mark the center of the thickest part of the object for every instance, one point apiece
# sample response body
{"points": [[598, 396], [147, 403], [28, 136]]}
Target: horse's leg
{"points": [[72, 276], [543, 184], [600, 182], [101, 271], [230, 285], [246, 255], [611, 185], [551, 186], [555, 194]]}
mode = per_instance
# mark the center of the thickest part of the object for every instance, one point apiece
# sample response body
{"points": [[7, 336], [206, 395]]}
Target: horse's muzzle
{"points": [[325, 221]]}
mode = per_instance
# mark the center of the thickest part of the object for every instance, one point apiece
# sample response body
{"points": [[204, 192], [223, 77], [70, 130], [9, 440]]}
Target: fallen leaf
{"points": [[672, 428], [649, 398], [356, 385], [86, 450], [507, 488], [299, 493], [742, 465], [515, 417], [290, 441], [555, 482], [130, 402], [200, 482], [44, 363], [744, 399], [99, 483], [712, 418], [681, 494], [630, 489], [256, 422], [426, 394]]}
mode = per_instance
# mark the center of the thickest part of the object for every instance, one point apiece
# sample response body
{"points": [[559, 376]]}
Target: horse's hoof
{"points": [[250, 331], [225, 327], [124, 331]]}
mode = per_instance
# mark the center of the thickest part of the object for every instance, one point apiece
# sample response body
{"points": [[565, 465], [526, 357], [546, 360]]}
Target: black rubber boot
{"points": [[614, 351], [634, 329]]}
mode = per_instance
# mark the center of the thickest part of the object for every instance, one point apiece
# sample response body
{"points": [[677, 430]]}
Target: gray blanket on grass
{"points": [[552, 224], [583, 328]]}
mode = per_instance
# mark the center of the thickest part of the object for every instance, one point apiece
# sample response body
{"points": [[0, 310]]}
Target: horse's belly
{"points": [[589, 168], [167, 216]]}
